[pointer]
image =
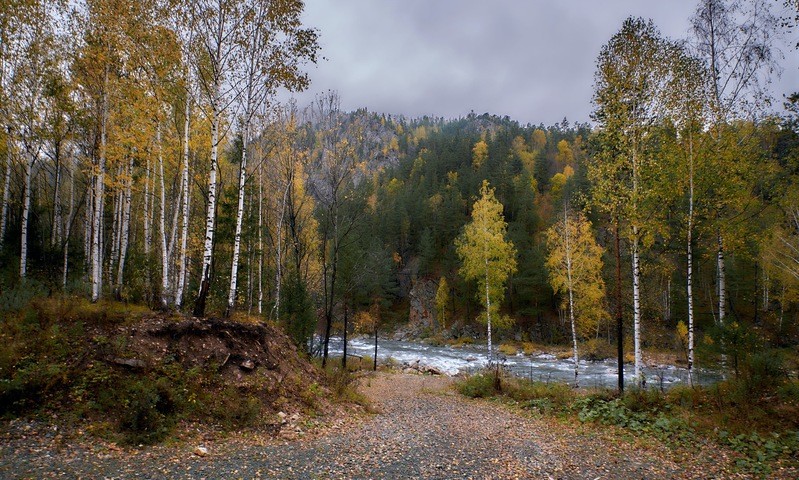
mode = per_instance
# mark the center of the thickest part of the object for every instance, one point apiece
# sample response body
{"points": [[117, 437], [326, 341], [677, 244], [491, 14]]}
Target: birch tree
{"points": [[97, 68], [486, 254], [29, 108], [735, 39], [689, 113], [218, 34], [630, 85], [276, 46], [575, 272], [16, 31]]}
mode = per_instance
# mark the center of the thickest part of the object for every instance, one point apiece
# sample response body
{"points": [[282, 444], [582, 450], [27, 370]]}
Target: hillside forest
{"points": [[144, 158]]}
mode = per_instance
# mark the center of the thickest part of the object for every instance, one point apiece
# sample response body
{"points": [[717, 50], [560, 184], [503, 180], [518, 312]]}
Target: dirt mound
{"points": [[238, 363], [245, 354], [138, 376]]}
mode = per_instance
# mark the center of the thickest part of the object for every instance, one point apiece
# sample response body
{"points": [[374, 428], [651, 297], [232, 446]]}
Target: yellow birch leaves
{"points": [[486, 254]]}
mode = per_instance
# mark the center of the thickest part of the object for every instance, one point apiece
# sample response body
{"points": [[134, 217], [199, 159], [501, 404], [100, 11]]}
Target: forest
{"points": [[146, 160]]}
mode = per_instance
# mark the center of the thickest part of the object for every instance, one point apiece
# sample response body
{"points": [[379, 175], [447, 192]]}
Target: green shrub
{"points": [[557, 394], [234, 408], [481, 385], [20, 295], [789, 391], [765, 371], [644, 400], [148, 412]]}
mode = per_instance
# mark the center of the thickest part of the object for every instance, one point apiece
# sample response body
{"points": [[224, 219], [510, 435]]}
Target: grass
{"points": [[757, 417]]}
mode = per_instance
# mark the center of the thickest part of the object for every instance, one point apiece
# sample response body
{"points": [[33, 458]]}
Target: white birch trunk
{"points": [[184, 228], [55, 233], [210, 218], [26, 207], [174, 234], [722, 280], [148, 236], [99, 190], [115, 228], [70, 215], [690, 273], [566, 229], [488, 319], [234, 269], [88, 223], [722, 291], [279, 252], [639, 376], [162, 222], [125, 227], [6, 188], [260, 237], [170, 252]]}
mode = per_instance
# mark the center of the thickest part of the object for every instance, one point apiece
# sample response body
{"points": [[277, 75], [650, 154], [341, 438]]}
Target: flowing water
{"points": [[539, 367]]}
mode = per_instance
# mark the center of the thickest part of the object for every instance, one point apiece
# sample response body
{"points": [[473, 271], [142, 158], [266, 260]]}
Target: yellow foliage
{"points": [[682, 332], [524, 154], [479, 154], [364, 322], [565, 154], [508, 349], [539, 139], [575, 264], [486, 255]]}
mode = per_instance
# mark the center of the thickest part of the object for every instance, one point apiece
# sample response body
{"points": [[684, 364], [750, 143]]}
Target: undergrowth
{"points": [[756, 416]]}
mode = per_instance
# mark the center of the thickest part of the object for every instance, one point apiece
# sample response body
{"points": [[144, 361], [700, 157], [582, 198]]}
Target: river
{"points": [[539, 367]]}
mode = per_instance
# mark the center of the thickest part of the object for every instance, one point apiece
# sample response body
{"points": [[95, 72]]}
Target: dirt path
{"points": [[423, 430]]}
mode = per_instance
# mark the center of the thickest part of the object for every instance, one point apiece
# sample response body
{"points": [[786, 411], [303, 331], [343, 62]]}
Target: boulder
{"points": [[201, 451], [247, 365]]}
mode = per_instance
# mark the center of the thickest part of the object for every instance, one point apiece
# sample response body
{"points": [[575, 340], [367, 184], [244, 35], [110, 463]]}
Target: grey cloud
{"points": [[530, 60]]}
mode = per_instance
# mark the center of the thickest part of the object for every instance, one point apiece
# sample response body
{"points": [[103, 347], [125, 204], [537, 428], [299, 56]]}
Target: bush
{"points": [[530, 348], [148, 412], [508, 349], [644, 400], [235, 408], [20, 295], [461, 341], [765, 371], [555, 394], [789, 392], [481, 385], [597, 349], [342, 385]]}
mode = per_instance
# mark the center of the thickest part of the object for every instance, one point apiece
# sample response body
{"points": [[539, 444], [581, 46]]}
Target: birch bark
{"points": [[99, 190], [26, 207], [6, 186], [125, 227]]}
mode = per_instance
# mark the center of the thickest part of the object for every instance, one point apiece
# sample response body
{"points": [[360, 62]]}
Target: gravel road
{"points": [[423, 430]]}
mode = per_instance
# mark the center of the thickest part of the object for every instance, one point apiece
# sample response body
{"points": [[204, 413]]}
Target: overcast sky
{"points": [[531, 60]]}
